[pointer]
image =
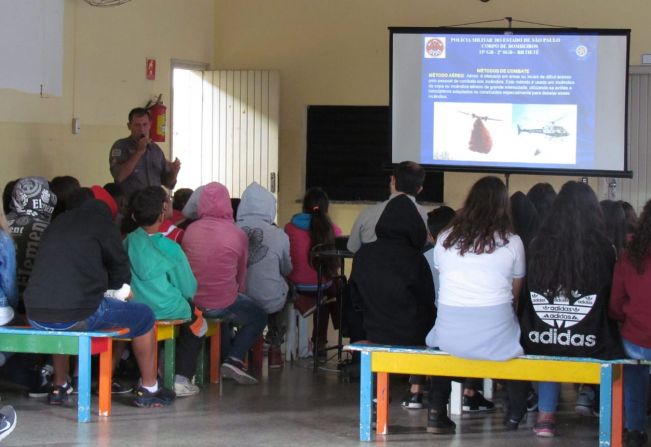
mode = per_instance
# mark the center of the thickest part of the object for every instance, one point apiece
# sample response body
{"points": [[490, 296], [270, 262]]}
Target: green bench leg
{"points": [[200, 373], [170, 363]]}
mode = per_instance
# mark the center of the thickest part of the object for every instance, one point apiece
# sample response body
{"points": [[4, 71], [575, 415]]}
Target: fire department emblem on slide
{"points": [[435, 47], [560, 313]]}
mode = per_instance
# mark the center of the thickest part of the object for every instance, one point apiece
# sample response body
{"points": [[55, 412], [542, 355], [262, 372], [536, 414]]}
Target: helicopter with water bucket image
{"points": [[480, 137]]}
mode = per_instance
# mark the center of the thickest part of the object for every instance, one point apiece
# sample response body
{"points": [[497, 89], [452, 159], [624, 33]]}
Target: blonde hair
{"points": [[4, 225]]}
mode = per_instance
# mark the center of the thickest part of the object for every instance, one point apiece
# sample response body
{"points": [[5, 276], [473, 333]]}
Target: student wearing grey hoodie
{"points": [[268, 263]]}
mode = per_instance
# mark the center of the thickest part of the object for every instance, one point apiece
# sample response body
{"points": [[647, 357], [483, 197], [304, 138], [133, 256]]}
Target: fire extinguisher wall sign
{"points": [[158, 114]]}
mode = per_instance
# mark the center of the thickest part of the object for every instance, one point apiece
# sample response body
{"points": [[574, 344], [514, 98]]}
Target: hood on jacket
{"points": [[401, 221], [152, 262], [302, 221], [215, 202], [32, 197], [257, 203]]}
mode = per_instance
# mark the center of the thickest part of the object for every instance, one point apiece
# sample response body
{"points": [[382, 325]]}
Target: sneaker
{"points": [[532, 401], [585, 402], [6, 315], [45, 382], [511, 422], [234, 369], [147, 399], [275, 357], [59, 394], [477, 403], [184, 387], [412, 401], [545, 429], [439, 423], [118, 387], [8, 420], [635, 438]]}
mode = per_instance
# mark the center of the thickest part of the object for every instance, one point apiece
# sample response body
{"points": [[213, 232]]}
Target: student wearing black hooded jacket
{"points": [[391, 279], [391, 282]]}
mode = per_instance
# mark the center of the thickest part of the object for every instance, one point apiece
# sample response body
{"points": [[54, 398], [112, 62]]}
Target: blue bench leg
{"points": [[605, 406], [83, 403], [365, 397]]}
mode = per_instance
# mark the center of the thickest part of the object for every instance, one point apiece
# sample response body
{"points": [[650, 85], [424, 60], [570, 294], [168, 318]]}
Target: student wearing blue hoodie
{"points": [[268, 263]]}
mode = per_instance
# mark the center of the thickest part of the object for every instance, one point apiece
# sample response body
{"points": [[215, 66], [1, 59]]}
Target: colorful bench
{"points": [[81, 344], [213, 335], [166, 331], [385, 360]]}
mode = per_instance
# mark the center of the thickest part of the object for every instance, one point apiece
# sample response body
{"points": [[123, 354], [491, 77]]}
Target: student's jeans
{"points": [[548, 393], [636, 384], [250, 319]]}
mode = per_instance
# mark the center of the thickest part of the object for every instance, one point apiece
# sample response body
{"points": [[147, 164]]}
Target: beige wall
{"points": [[336, 52], [327, 52], [104, 77]]}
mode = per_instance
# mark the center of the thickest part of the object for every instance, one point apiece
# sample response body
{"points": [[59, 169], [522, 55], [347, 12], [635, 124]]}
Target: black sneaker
{"points": [[532, 401], [59, 394], [511, 422], [42, 389], [412, 401], [439, 423], [635, 438], [477, 403], [147, 399], [8, 420], [118, 387], [234, 369]]}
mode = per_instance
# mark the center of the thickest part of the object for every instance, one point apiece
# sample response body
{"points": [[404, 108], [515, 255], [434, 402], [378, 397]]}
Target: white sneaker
{"points": [[8, 420], [6, 315], [183, 387]]}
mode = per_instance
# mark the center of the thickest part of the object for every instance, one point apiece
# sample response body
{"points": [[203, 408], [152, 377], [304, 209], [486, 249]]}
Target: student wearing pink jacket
{"points": [[218, 250]]}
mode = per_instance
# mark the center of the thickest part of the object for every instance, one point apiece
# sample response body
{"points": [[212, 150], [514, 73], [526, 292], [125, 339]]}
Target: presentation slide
{"points": [[515, 102]]}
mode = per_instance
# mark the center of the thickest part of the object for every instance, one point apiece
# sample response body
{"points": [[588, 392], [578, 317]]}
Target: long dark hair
{"points": [[316, 203], [615, 221], [542, 196], [568, 250], [484, 215], [640, 244]]}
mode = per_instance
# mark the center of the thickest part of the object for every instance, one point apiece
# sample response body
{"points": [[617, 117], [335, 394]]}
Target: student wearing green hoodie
{"points": [[161, 278]]}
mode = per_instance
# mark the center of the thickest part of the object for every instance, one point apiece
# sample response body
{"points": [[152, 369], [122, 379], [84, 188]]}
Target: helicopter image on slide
{"points": [[551, 130], [480, 138]]}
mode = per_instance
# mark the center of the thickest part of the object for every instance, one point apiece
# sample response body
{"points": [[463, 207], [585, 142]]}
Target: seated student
{"points": [[269, 262], [306, 230], [392, 282], [218, 251], [476, 318], [162, 279], [629, 306], [30, 213], [570, 262], [66, 291]]}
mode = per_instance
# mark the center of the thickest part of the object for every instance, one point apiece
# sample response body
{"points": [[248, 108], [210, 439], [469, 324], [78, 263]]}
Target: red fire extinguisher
{"points": [[158, 115]]}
